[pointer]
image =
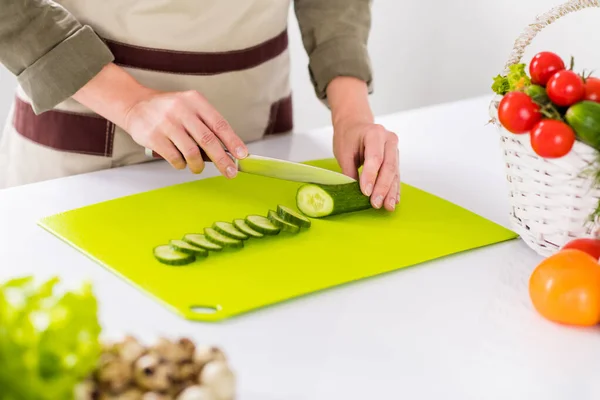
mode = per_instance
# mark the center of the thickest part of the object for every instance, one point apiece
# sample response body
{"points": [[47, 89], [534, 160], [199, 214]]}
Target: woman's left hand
{"points": [[358, 143]]}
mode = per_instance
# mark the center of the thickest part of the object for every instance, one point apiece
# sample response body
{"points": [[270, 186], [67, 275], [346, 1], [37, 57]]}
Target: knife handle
{"points": [[205, 157]]}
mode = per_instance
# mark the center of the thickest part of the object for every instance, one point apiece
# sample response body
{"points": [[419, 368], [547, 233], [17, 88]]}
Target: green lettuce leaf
{"points": [[49, 342], [516, 79]]}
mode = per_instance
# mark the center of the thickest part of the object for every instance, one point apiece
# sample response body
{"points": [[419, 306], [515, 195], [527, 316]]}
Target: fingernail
{"points": [[392, 203], [369, 189], [231, 172], [240, 152], [378, 201], [398, 199]]}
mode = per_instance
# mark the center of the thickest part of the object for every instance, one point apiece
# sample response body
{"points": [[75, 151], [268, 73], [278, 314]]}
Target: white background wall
{"points": [[427, 52]]}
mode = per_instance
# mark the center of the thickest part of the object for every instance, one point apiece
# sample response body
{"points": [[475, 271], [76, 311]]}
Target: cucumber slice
{"points": [[318, 201], [185, 247], [284, 225], [242, 226], [262, 224], [224, 241], [199, 240], [227, 229], [289, 215], [167, 255]]}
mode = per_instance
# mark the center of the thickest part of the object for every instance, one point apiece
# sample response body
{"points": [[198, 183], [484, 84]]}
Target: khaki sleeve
{"points": [[49, 51], [335, 35]]}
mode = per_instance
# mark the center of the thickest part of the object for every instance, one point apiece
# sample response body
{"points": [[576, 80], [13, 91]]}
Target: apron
{"points": [[233, 52]]}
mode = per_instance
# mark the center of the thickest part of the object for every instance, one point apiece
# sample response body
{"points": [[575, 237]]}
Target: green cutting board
{"points": [[120, 234]]}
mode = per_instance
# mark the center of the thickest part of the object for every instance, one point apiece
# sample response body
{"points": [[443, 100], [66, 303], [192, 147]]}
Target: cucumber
{"points": [[317, 201], [538, 94], [227, 229], [242, 226], [289, 215], [283, 225], [199, 240], [584, 118], [262, 224], [224, 241], [185, 247], [167, 255], [540, 97]]}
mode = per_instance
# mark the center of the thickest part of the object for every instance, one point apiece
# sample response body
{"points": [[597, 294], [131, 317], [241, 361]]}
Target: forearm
{"points": [[335, 35], [348, 100], [49, 51], [112, 93]]}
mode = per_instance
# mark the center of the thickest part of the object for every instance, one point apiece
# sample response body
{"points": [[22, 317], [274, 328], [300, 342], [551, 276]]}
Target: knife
{"points": [[279, 169]]}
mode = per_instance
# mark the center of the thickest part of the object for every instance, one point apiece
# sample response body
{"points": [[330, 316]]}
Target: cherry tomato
{"points": [[592, 89], [587, 245], [518, 113], [543, 65], [552, 139], [565, 288], [565, 88]]}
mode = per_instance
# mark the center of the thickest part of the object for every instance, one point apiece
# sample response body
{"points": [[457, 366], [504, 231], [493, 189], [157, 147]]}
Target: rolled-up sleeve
{"points": [[335, 35], [48, 50]]}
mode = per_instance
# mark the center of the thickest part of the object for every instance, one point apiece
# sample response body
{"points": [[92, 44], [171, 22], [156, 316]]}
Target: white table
{"points": [[457, 328]]}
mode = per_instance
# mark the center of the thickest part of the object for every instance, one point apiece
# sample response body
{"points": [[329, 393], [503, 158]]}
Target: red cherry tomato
{"points": [[552, 139], [518, 113], [587, 245], [565, 88], [592, 89], [543, 65]]}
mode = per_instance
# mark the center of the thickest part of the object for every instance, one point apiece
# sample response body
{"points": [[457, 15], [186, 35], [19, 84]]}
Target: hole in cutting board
{"points": [[205, 309]]}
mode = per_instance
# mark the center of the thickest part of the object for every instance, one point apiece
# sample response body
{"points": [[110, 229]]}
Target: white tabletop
{"points": [[457, 328]]}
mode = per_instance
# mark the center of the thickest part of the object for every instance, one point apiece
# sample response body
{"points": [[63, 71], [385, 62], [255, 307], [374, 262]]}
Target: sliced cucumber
{"points": [[318, 201], [167, 255], [185, 247], [262, 225], [242, 226], [227, 229], [289, 215], [224, 241], [283, 225], [199, 240]]}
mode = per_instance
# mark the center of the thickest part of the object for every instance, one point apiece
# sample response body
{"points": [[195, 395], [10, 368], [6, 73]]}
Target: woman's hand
{"points": [[373, 147], [177, 125], [358, 141], [173, 124]]}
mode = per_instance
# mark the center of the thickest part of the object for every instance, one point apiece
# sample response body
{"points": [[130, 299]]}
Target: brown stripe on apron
{"points": [[65, 131], [197, 63], [280, 117], [61, 130]]}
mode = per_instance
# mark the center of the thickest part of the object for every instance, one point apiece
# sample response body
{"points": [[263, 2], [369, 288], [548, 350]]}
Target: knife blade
{"points": [[280, 169]]}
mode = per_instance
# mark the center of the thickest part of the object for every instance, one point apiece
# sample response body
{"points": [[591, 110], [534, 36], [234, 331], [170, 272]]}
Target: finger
{"points": [[386, 176], [206, 139], [392, 197], [218, 125], [186, 146], [374, 149], [169, 152], [399, 184], [349, 164]]}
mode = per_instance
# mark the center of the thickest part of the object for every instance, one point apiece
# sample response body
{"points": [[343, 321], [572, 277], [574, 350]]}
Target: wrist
{"points": [[348, 99], [112, 93]]}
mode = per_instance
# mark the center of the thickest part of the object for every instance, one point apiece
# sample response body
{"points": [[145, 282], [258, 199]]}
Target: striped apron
{"points": [[233, 52]]}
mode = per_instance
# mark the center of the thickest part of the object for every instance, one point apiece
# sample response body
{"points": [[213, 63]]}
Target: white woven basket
{"points": [[551, 199]]}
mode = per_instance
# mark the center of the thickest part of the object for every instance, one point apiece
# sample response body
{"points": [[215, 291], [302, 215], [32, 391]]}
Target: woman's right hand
{"points": [[176, 125], [173, 124]]}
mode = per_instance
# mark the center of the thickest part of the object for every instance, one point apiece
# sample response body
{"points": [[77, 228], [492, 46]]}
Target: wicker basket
{"points": [[551, 199]]}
